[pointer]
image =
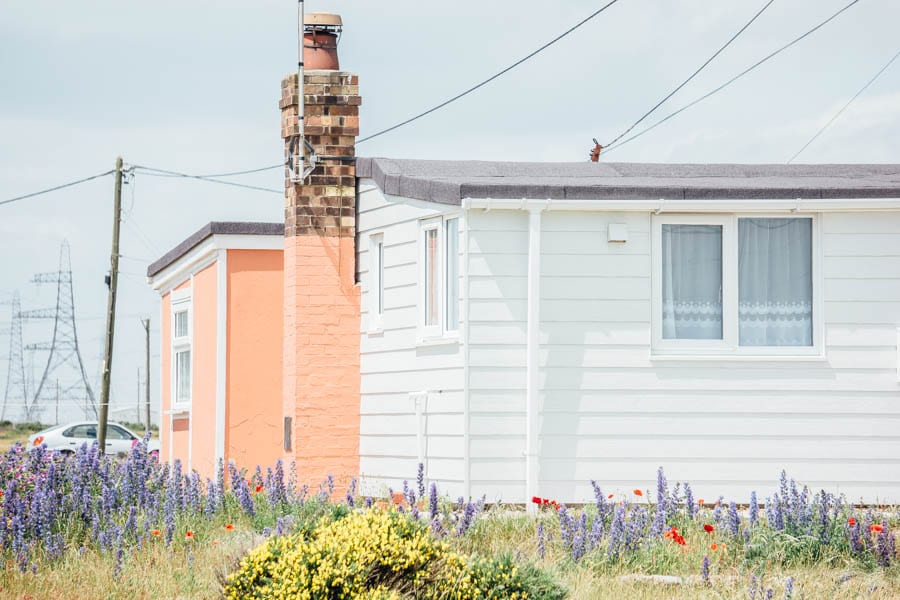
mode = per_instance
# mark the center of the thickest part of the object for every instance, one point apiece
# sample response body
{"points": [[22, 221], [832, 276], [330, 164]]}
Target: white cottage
{"points": [[529, 327]]}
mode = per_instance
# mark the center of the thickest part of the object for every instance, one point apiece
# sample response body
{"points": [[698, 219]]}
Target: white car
{"points": [[69, 437]]}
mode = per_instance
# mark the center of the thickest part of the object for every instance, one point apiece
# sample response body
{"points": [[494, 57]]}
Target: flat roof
{"points": [[210, 229], [449, 182]]}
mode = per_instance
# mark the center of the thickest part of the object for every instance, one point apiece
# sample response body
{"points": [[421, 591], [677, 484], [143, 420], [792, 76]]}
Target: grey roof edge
{"points": [[210, 229], [449, 182]]}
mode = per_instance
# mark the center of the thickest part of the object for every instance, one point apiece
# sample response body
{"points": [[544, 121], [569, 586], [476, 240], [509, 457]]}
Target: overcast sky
{"points": [[193, 86]]}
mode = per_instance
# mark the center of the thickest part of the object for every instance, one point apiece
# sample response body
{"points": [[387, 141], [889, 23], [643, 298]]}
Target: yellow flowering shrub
{"points": [[378, 555]]}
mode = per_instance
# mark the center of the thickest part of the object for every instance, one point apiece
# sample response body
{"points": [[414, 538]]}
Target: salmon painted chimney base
{"points": [[321, 298]]}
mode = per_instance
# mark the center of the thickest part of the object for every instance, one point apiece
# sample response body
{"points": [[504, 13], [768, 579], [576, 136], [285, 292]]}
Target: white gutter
{"points": [[681, 205], [532, 355]]}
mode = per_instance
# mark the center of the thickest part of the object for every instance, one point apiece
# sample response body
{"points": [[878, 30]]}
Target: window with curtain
{"points": [[775, 282], [432, 277], [728, 282], [691, 282], [439, 278]]}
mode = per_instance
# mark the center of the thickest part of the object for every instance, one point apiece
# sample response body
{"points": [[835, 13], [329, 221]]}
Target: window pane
{"points": [[775, 282], [431, 277], [183, 376], [452, 231], [691, 282], [181, 324], [379, 256]]}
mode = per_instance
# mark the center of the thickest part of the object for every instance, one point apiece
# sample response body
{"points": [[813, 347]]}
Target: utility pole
{"points": [[111, 308], [146, 324]]}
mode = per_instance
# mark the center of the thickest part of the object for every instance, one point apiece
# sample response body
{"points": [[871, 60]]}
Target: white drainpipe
{"points": [[533, 356]]}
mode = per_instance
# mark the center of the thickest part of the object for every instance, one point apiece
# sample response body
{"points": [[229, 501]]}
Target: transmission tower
{"points": [[16, 384], [64, 364]]}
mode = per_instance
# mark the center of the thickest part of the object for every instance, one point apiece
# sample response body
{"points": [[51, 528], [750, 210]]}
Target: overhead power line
{"points": [[694, 74], [228, 174], [489, 79], [58, 187], [153, 172], [732, 80], [843, 108]]}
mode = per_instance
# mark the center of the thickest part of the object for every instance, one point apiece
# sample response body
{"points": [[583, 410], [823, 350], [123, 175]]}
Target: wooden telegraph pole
{"points": [[146, 324], [111, 308]]}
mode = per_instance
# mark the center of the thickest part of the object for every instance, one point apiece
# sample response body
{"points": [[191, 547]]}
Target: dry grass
{"points": [[182, 571]]}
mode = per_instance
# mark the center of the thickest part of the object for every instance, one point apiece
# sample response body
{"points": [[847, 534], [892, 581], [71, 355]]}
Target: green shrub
{"points": [[380, 554]]}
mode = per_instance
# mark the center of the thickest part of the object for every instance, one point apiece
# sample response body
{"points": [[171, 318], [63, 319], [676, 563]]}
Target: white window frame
{"points": [[182, 302], [729, 347], [438, 332], [376, 291]]}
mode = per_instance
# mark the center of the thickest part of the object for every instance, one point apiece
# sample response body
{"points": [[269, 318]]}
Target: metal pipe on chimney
{"points": [[299, 165]]}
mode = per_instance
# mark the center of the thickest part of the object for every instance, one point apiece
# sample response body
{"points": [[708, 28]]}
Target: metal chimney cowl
{"points": [[321, 33]]}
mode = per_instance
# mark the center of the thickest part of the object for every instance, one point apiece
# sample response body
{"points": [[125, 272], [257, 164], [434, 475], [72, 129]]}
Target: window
{"points": [[439, 289], [376, 282], [117, 433], [181, 351], [738, 284], [82, 431]]}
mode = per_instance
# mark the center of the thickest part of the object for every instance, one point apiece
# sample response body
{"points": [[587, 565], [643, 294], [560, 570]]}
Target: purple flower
{"points": [[468, 517], [754, 508], [789, 588], [689, 504], [540, 539], [420, 480], [704, 570], [733, 521]]}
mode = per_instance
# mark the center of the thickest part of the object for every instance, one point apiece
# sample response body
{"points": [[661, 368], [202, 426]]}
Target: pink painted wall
{"points": [[203, 372], [253, 434]]}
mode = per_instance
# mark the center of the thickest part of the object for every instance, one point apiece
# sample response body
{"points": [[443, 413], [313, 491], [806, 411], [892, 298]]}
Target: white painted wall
{"points": [[611, 413], [394, 365]]}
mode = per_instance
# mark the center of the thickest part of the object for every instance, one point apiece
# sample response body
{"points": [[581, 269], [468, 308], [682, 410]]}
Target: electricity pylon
{"points": [[16, 384], [64, 363]]}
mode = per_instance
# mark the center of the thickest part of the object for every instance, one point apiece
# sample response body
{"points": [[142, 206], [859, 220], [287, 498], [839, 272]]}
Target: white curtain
{"points": [[691, 282], [775, 282]]}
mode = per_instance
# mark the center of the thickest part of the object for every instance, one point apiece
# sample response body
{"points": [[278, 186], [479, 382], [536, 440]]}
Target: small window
{"points": [[181, 351], [288, 430], [181, 324], [439, 278], [731, 283], [183, 377]]}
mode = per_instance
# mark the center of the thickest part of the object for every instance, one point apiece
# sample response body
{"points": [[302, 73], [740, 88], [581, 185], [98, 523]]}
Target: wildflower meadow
{"points": [[89, 525]]}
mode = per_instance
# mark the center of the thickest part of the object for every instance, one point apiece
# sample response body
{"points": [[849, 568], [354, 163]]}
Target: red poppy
{"points": [[189, 535], [535, 500], [155, 533], [714, 547], [638, 493], [876, 528], [672, 534], [851, 521], [229, 527], [610, 496], [701, 502], [708, 528]]}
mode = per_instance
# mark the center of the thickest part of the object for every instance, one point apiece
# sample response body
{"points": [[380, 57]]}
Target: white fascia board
{"points": [[699, 206], [204, 254], [221, 351]]}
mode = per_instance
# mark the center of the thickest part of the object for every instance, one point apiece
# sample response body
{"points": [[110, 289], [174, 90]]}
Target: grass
{"points": [[195, 569]]}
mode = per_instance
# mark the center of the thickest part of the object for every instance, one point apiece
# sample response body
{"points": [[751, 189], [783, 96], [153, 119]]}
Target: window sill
{"points": [[178, 411], [438, 341], [793, 358]]}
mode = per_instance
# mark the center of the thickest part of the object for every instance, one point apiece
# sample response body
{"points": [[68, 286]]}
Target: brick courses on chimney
{"points": [[322, 319]]}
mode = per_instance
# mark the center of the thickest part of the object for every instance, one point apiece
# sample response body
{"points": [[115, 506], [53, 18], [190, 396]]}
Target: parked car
{"points": [[69, 437]]}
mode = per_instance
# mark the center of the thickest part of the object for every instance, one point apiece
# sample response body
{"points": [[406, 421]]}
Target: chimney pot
{"points": [[321, 33]]}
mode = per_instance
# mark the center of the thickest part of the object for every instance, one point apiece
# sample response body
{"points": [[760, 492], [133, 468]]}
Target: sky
{"points": [[194, 86]]}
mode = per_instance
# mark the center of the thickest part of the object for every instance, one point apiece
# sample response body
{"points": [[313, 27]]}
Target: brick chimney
{"points": [[321, 299]]}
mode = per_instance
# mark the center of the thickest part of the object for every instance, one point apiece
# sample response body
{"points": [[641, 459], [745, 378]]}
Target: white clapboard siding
{"points": [[611, 412], [393, 365]]}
